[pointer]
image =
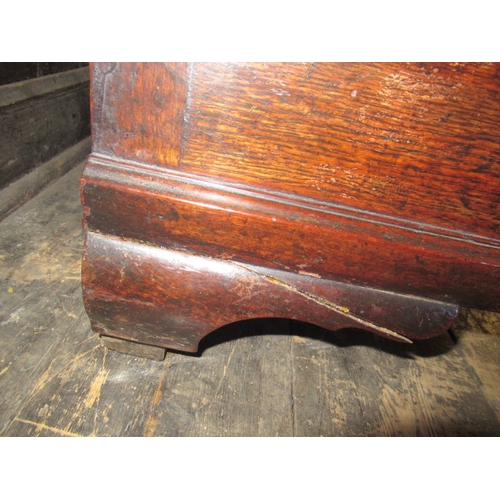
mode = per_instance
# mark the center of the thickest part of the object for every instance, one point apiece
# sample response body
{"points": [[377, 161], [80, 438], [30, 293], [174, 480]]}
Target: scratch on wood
{"points": [[155, 401], [152, 419], [72, 362], [310, 70], [344, 311], [95, 389], [305, 273], [42, 380], [41, 426], [150, 425], [224, 371]]}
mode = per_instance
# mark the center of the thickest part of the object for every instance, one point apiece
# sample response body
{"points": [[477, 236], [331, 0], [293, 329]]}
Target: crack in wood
{"points": [[343, 311]]}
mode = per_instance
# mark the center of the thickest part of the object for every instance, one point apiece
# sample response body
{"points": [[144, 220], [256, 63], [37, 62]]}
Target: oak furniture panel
{"points": [[339, 194]]}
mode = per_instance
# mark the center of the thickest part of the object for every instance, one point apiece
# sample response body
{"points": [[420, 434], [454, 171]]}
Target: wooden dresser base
{"points": [[358, 195], [172, 299]]}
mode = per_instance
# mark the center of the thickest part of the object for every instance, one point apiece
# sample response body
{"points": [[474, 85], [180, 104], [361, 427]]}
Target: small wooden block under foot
{"points": [[133, 348]]}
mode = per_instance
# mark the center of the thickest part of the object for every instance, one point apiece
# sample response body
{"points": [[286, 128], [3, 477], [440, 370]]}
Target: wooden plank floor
{"points": [[258, 378]]}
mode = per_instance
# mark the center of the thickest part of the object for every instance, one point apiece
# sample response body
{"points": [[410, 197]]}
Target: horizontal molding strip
{"points": [[164, 179]]}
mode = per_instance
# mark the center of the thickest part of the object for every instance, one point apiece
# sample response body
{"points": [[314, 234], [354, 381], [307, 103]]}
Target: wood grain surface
{"points": [[168, 210], [139, 114], [256, 378], [380, 175], [412, 141]]}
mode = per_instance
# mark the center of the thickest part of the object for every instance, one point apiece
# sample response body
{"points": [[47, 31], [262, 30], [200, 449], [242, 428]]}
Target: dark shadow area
{"points": [[11, 72], [242, 329], [349, 337], [345, 338]]}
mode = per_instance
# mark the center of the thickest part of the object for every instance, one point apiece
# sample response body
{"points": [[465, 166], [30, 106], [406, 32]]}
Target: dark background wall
{"points": [[44, 110], [18, 71]]}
